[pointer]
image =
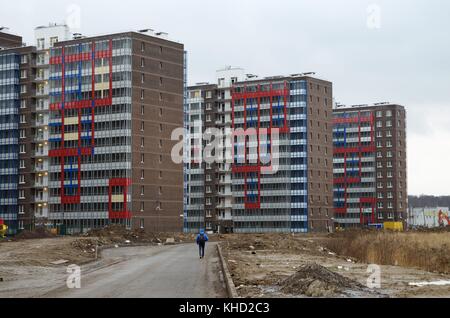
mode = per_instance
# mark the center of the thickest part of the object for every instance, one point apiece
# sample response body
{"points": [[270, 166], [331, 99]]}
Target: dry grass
{"points": [[427, 251]]}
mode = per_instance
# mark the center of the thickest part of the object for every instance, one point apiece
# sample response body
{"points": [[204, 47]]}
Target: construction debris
{"points": [[59, 262], [313, 280]]}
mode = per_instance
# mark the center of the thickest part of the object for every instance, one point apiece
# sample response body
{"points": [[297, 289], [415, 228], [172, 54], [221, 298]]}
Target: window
{"points": [[24, 59], [160, 143], [389, 123], [21, 209], [160, 112], [142, 142], [389, 154], [379, 124], [388, 113], [160, 175], [388, 133], [142, 78], [142, 174], [161, 66], [142, 206], [23, 134], [160, 127], [142, 190], [142, 158], [23, 103], [22, 164], [142, 223], [41, 44], [21, 179], [160, 190], [379, 134], [53, 40], [22, 149], [23, 89], [142, 47], [142, 126], [142, 94], [379, 114], [389, 144], [21, 194], [142, 110], [160, 81], [23, 74], [142, 62]]}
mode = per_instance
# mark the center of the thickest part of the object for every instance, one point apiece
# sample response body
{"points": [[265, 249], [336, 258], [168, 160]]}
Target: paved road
{"points": [[151, 272]]}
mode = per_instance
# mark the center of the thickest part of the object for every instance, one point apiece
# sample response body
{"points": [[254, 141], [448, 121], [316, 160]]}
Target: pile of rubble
{"points": [[37, 233], [313, 280]]}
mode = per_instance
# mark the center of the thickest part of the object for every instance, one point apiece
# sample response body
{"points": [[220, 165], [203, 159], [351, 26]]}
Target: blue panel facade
{"points": [[299, 162]]}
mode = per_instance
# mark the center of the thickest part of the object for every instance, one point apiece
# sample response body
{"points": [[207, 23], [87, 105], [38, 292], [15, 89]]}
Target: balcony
{"points": [[40, 153]]}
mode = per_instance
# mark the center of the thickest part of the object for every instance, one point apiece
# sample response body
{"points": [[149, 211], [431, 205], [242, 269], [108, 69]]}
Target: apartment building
{"points": [[295, 115], [209, 177], [46, 37], [17, 100], [114, 102], [370, 178]]}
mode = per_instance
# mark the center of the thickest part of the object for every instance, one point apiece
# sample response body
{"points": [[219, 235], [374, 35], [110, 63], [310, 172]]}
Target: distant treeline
{"points": [[429, 201]]}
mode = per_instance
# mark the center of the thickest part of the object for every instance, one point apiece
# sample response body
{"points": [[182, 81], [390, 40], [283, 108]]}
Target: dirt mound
{"points": [[38, 233], [119, 234], [313, 280]]}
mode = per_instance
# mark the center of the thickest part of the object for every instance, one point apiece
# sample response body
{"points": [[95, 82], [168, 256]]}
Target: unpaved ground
{"points": [[261, 264]]}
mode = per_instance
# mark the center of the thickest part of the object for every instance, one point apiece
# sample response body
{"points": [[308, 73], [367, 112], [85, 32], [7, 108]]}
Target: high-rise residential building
{"points": [[46, 37], [209, 184], [370, 178], [288, 116], [114, 102], [17, 100]]}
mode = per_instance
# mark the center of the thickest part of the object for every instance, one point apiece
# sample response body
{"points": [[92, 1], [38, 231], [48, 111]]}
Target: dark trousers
{"points": [[201, 247]]}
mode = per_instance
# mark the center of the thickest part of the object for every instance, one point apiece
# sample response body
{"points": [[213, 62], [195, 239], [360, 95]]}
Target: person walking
{"points": [[202, 238]]}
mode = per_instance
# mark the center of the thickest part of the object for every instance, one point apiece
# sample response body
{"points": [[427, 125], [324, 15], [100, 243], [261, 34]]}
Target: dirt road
{"points": [[141, 272]]}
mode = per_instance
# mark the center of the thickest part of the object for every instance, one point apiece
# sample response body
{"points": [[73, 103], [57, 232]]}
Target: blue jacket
{"points": [[198, 237]]}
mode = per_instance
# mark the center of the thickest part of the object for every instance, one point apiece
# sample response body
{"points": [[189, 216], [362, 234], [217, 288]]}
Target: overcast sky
{"points": [[373, 51]]}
